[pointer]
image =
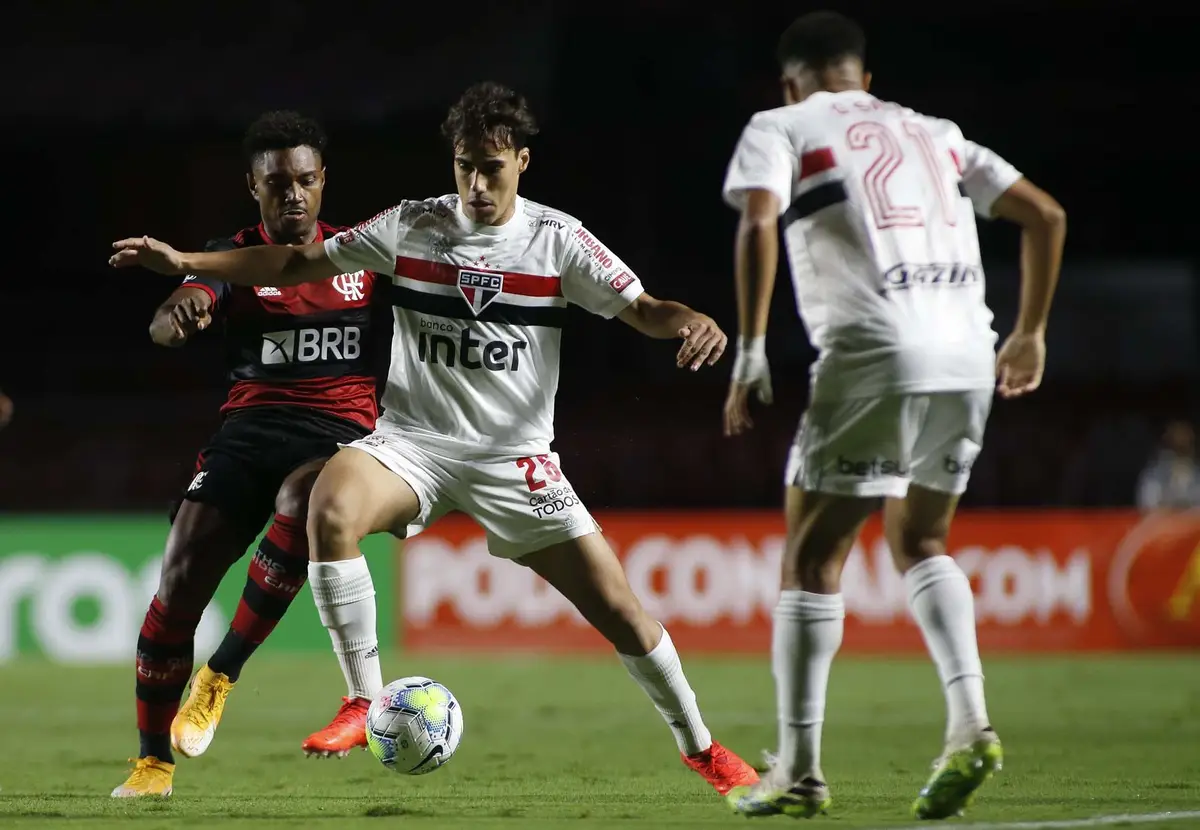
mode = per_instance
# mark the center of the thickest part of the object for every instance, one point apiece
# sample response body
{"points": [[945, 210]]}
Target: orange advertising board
{"points": [[1044, 581]]}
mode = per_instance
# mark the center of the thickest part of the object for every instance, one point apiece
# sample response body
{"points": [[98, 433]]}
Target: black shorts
{"points": [[246, 461]]}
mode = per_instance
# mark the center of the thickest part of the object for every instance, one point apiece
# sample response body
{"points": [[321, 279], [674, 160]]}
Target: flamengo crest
{"points": [[350, 286], [479, 288]]}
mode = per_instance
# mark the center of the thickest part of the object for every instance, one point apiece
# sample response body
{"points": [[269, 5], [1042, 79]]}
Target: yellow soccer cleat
{"points": [[196, 721], [956, 777], [150, 776]]}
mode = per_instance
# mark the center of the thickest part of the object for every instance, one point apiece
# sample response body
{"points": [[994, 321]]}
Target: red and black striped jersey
{"points": [[307, 345]]}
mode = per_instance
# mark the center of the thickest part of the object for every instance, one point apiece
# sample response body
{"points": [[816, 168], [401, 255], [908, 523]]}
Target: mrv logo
{"points": [[951, 274], [311, 345], [467, 350]]}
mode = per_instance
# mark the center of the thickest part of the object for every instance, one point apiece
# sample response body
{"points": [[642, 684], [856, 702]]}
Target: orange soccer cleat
{"points": [[721, 768], [347, 730]]}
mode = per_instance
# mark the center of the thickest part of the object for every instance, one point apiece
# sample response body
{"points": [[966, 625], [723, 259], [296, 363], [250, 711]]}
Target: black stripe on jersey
{"points": [[456, 308], [284, 373], [808, 203], [258, 322]]}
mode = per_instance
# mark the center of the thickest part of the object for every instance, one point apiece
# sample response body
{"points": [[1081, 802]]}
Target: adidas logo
{"points": [[268, 291], [374, 652]]}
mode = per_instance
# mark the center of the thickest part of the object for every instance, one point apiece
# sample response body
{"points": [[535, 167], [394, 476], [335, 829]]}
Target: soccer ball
{"points": [[414, 725]]}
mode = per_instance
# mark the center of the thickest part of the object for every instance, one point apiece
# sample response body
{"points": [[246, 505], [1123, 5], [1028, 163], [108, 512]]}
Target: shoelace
{"points": [[345, 715], [142, 768], [201, 715]]}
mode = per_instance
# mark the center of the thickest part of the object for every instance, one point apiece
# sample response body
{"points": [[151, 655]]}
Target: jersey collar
{"points": [[262, 231], [490, 230]]}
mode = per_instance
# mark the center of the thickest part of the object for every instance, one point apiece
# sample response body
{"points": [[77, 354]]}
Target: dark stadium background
{"points": [[124, 118]]}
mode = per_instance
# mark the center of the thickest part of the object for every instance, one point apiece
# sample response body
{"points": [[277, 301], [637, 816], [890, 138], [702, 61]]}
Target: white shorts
{"points": [[876, 447], [524, 504]]}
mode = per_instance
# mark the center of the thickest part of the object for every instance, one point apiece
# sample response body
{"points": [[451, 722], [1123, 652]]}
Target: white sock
{"points": [[939, 595], [345, 597], [806, 634], [660, 675]]}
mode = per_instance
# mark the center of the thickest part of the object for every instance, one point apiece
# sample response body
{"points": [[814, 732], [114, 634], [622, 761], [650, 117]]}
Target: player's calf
{"points": [[942, 604], [808, 624], [276, 574], [353, 496], [164, 664], [589, 575]]}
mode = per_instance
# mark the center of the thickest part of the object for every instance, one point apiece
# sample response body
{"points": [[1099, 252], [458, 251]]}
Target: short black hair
{"points": [[820, 40], [489, 111], [282, 130]]}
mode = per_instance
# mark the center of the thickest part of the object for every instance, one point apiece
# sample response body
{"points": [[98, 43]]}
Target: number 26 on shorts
{"points": [[531, 466]]}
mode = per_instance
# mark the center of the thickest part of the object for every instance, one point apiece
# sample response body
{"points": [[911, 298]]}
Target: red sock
{"points": [[164, 664], [276, 574]]}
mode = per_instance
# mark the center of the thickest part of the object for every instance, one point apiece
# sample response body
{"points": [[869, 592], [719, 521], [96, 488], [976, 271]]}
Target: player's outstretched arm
{"points": [[1022, 359], [187, 311], [755, 253], [703, 340], [277, 265]]}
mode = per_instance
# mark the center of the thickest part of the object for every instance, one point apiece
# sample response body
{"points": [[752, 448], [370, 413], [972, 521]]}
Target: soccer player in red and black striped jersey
{"points": [[302, 368]]}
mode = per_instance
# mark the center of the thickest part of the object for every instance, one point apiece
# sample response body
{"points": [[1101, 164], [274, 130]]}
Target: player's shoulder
{"points": [[545, 219], [244, 238], [935, 124], [399, 218], [775, 120]]}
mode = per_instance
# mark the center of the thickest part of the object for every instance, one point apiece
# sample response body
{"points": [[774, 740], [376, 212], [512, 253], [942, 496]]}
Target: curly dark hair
{"points": [[492, 112], [282, 130], [821, 40]]}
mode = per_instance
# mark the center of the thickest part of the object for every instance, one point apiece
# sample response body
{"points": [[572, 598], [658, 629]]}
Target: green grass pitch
{"points": [[574, 744]]}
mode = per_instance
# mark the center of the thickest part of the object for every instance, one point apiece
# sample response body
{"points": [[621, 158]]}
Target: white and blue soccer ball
{"points": [[414, 725]]}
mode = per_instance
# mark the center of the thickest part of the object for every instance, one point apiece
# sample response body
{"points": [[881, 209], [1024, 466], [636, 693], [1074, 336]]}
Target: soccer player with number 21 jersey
{"points": [[480, 284], [877, 205]]}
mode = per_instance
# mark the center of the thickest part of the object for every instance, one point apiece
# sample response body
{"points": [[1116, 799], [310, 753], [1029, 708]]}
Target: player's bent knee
{"points": [[589, 575], [200, 549], [916, 527], [333, 525], [294, 493], [822, 529]]}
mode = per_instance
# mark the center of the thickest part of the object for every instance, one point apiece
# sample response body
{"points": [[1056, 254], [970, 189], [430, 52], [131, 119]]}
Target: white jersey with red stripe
{"points": [[876, 202], [479, 311]]}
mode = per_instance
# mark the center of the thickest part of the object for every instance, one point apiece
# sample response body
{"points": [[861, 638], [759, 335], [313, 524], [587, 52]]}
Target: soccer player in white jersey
{"points": [[482, 279], [876, 204]]}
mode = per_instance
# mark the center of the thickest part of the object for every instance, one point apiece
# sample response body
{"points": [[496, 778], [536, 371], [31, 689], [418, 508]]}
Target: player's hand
{"points": [[148, 253], [751, 373], [703, 343], [1019, 364], [6, 410], [190, 315]]}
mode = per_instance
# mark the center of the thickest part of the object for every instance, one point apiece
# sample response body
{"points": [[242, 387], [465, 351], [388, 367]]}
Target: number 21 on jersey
{"points": [[890, 156]]}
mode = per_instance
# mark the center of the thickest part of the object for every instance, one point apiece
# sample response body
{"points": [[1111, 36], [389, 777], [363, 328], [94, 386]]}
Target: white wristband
{"points": [[752, 347], [750, 362]]}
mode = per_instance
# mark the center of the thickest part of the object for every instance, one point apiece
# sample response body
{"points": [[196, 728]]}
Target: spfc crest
{"points": [[479, 288]]}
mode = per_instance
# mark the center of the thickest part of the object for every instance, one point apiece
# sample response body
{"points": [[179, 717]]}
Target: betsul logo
{"points": [[1154, 582]]}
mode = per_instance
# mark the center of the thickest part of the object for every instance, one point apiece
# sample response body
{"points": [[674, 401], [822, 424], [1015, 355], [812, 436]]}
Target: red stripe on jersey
{"points": [[212, 295], [957, 161], [816, 161], [445, 273], [350, 398]]}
